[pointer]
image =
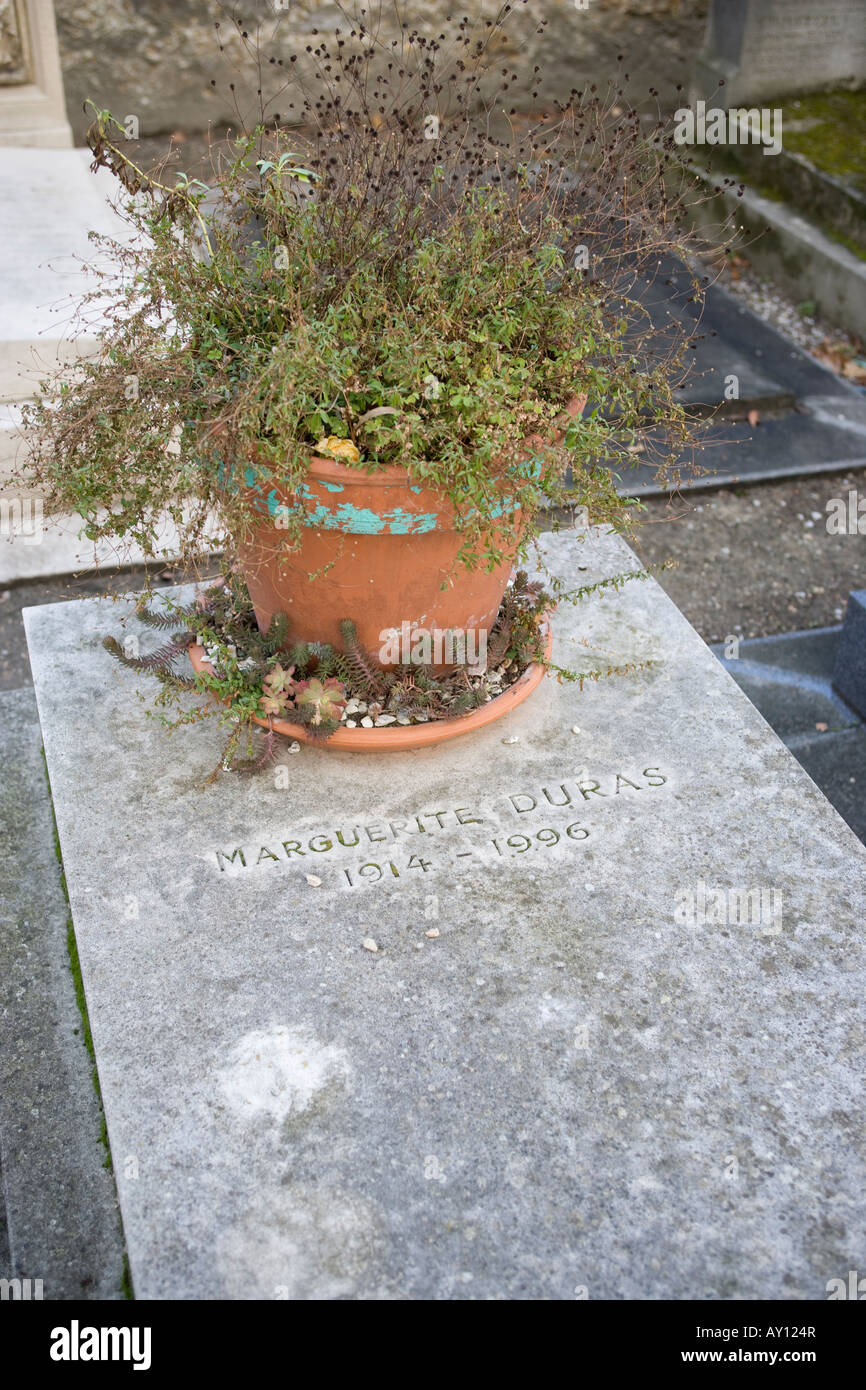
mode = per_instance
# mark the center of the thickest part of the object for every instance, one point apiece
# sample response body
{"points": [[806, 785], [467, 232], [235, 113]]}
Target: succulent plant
{"points": [[266, 676], [279, 681], [278, 690], [320, 701]]}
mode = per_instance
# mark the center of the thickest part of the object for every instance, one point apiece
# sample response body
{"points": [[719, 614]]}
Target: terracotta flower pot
{"points": [[381, 547]]}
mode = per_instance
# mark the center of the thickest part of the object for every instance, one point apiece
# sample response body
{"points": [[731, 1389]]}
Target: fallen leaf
{"points": [[338, 448], [840, 357], [855, 371]]}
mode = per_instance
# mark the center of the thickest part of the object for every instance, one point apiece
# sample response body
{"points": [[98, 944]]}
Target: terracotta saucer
{"points": [[396, 738]]}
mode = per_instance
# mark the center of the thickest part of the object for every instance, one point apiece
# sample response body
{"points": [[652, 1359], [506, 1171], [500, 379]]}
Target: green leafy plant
{"points": [[432, 302]]}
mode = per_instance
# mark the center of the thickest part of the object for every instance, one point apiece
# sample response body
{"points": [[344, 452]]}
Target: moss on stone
{"points": [[81, 1001], [835, 138], [727, 163]]}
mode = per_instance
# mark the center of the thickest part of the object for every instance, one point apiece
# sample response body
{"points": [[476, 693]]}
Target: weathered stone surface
{"points": [[824, 432], [769, 48], [570, 1090], [63, 1225], [45, 255]]}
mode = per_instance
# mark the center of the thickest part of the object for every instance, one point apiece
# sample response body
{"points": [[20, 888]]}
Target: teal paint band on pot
{"points": [[363, 521]]}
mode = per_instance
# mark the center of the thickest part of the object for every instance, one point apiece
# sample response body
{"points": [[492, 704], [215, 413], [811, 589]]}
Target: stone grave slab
{"points": [[788, 678], [611, 1074], [59, 1198]]}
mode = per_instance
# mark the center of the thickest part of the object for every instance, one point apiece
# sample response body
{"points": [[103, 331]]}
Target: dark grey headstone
{"points": [[849, 674]]}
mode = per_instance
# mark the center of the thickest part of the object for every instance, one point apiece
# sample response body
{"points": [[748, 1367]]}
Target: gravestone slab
{"points": [[58, 1196], [770, 48], [579, 1064]]}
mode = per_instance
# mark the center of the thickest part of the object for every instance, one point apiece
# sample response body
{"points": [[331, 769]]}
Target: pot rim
{"points": [[393, 474], [396, 738]]}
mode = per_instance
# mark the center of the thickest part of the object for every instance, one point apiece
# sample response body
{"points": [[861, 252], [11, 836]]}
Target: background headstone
{"points": [[32, 106], [771, 48]]}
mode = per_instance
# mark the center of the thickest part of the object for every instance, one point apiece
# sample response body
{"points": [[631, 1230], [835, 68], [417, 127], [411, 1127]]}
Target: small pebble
{"points": [[514, 738], [369, 944], [575, 729], [403, 719], [313, 880], [351, 723], [366, 722], [433, 932], [385, 719], [294, 746]]}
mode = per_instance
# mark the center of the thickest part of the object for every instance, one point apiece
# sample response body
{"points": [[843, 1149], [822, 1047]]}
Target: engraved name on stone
{"points": [[550, 817]]}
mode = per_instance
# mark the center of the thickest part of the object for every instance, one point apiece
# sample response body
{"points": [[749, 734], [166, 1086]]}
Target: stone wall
{"points": [[156, 58]]}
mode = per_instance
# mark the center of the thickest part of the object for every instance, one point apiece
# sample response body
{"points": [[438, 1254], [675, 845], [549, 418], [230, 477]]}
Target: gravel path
{"points": [[754, 561]]}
